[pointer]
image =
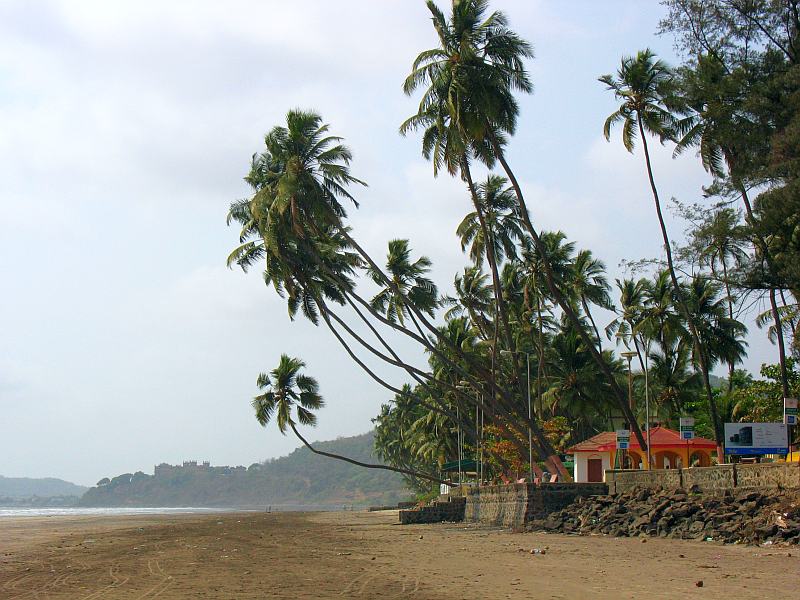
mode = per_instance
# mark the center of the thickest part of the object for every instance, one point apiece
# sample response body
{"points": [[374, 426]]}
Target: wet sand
{"points": [[364, 555]]}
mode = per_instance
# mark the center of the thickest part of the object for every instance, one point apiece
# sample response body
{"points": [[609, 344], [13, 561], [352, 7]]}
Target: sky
{"points": [[125, 131]]}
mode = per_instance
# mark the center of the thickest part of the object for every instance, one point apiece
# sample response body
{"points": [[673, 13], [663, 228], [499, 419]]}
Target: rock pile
{"points": [[750, 517]]}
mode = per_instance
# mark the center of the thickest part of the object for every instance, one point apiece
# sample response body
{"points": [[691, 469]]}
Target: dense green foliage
{"points": [[516, 357], [299, 479]]}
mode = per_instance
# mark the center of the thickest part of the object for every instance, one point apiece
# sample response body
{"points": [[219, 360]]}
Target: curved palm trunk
{"points": [[591, 320], [504, 413], [619, 394], [776, 317], [544, 448], [466, 425], [358, 463], [699, 351]]}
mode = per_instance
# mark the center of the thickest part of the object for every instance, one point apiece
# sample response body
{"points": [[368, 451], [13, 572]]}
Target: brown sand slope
{"points": [[363, 555]]}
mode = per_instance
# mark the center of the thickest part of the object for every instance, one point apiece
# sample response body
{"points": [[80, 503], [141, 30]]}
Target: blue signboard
{"points": [[756, 438]]}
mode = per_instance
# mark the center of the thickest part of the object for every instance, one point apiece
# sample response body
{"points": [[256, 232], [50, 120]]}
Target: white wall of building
{"points": [[581, 469]]}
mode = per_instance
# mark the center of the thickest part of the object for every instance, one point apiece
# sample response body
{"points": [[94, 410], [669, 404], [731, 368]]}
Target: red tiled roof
{"points": [[660, 437]]}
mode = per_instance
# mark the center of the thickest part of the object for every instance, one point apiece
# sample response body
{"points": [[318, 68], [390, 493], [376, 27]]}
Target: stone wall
{"points": [[438, 511], [709, 479], [516, 504], [768, 475]]}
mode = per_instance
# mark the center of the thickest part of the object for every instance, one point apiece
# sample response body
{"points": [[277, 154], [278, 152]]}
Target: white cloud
{"points": [[126, 129]]}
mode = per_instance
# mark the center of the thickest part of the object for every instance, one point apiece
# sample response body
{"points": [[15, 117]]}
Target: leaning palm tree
{"points": [[467, 111], [304, 173], [590, 285], [410, 285], [473, 298], [291, 397], [641, 84], [294, 222], [473, 45], [498, 205]]}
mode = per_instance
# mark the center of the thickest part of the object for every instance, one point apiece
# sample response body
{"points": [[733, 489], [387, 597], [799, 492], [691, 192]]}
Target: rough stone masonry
{"points": [[746, 516]]}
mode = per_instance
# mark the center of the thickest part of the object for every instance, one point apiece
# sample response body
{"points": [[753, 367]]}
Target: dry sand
{"points": [[364, 555]]}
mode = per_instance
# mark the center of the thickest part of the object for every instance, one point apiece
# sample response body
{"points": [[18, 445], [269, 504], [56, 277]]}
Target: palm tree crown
{"points": [[498, 204], [470, 79], [287, 390], [411, 285], [304, 170], [641, 84]]}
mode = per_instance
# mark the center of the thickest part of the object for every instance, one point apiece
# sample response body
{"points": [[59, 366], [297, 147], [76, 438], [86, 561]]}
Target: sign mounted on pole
{"points": [[790, 411], [756, 438], [687, 428], [623, 439]]}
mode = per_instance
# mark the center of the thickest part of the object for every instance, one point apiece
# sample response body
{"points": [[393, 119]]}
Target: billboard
{"points": [[756, 438]]}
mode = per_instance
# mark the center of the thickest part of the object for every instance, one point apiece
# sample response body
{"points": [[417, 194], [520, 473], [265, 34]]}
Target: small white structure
{"points": [[591, 466]]}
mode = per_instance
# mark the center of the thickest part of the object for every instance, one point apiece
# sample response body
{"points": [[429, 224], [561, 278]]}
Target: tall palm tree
{"points": [[463, 81], [590, 285], [498, 205], [468, 109], [290, 397], [721, 247], [625, 326], [470, 77], [641, 84], [722, 335], [410, 286], [473, 297]]}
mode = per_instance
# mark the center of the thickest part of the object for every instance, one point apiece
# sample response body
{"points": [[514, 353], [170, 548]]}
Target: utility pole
{"points": [[629, 355]]}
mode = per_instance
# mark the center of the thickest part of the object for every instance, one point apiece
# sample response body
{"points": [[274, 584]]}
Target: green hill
{"points": [[299, 479]]}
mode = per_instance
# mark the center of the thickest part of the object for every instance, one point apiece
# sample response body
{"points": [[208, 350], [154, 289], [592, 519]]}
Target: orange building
{"points": [[598, 454]]}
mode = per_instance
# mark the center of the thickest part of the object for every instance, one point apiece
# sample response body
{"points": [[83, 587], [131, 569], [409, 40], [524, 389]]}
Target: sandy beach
{"points": [[364, 555]]}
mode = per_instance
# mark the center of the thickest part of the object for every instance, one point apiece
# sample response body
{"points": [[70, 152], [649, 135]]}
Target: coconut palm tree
{"points": [[722, 335], [625, 327], [590, 285], [410, 286], [498, 205], [291, 397], [304, 173], [473, 298], [468, 108], [641, 84], [463, 80], [470, 78], [576, 387], [721, 248]]}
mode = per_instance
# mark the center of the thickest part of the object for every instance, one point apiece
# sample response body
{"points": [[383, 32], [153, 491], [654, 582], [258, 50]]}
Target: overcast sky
{"points": [[125, 131]]}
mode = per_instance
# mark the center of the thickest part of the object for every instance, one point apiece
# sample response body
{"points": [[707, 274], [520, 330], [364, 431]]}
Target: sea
{"points": [[107, 512], [112, 512]]}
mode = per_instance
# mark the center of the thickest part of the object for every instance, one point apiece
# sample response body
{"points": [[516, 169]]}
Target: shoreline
{"points": [[363, 554]]}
